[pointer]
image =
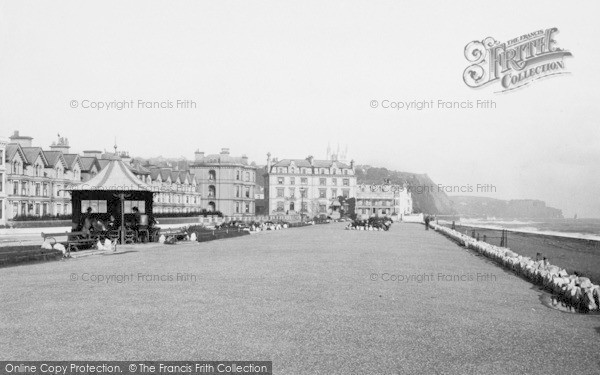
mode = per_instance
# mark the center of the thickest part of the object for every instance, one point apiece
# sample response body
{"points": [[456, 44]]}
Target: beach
{"points": [[573, 254]]}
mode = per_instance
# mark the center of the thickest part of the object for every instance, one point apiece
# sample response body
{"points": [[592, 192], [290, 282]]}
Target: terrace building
{"points": [[307, 186], [175, 191], [227, 182], [36, 179]]}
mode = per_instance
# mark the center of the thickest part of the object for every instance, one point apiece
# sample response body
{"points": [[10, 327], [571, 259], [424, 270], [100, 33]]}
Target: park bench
{"points": [[74, 240]]}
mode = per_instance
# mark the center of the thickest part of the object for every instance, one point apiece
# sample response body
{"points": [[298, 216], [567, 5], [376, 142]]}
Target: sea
{"points": [[588, 229]]}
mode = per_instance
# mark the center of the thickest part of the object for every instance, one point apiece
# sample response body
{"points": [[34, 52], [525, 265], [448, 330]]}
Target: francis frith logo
{"points": [[514, 63]]}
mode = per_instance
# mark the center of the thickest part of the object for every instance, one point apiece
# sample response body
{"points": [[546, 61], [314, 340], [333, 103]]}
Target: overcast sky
{"points": [[289, 77]]}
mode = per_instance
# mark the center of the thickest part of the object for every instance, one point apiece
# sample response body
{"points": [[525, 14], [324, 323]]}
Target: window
{"points": [[280, 193], [280, 180], [303, 193], [238, 191], [1, 208], [37, 209], [247, 209], [322, 181], [303, 170], [280, 206], [45, 189], [1, 183], [346, 193], [304, 181], [247, 191], [237, 207], [334, 193], [212, 175], [37, 190], [211, 191], [247, 176], [129, 205], [99, 206], [23, 188], [292, 181], [345, 171], [15, 187], [292, 192], [322, 193], [334, 181], [322, 171], [237, 174], [322, 208], [346, 182]]}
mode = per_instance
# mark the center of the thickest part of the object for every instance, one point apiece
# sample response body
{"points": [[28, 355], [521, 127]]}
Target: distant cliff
{"points": [[482, 207], [426, 197]]}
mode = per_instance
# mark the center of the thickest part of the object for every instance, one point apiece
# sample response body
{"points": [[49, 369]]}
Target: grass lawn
{"points": [[310, 299]]}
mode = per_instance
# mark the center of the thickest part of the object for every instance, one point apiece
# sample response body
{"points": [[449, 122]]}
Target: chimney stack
{"points": [[198, 155], [225, 151], [24, 141]]}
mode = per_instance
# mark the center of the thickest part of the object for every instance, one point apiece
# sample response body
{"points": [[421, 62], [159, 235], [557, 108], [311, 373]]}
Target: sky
{"points": [[291, 77]]}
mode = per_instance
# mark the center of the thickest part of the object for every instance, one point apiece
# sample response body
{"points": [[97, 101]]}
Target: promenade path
{"points": [[314, 300]]}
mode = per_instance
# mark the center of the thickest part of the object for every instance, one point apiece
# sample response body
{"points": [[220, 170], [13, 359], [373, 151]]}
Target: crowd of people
{"points": [[373, 223]]}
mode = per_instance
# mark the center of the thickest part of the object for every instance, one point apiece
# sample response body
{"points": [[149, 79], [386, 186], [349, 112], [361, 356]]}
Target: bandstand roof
{"points": [[115, 176]]}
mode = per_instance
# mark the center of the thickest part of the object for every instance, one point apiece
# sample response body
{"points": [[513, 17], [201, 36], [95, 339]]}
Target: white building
{"points": [[383, 200]]}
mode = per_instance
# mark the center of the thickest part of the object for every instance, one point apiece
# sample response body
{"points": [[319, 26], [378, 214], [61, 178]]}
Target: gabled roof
{"points": [[55, 157], [87, 162], [114, 177], [155, 174], [32, 153], [72, 159], [165, 174], [12, 149], [175, 176], [183, 175], [103, 163]]}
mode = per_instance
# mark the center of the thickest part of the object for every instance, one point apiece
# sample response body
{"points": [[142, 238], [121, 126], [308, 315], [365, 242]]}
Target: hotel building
{"points": [[307, 186], [227, 183]]}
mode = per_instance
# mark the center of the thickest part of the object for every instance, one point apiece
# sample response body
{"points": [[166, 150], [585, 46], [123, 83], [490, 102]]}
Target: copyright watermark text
{"points": [[132, 104], [139, 277], [432, 104], [432, 277]]}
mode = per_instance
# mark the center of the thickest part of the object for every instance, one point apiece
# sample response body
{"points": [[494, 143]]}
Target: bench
{"points": [[74, 239]]}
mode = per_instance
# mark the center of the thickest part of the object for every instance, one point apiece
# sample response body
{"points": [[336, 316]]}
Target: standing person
{"points": [[427, 219], [136, 218], [86, 224]]}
